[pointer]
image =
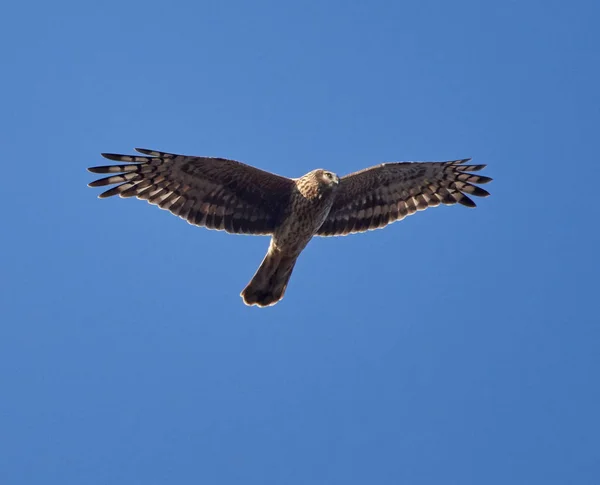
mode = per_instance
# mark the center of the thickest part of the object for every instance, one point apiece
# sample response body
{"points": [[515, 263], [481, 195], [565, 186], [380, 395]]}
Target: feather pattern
{"points": [[212, 192], [375, 197]]}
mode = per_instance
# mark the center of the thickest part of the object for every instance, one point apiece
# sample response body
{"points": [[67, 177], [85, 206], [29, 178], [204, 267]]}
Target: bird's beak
{"points": [[337, 180]]}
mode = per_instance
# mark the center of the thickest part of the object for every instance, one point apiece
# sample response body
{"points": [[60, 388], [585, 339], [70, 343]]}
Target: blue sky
{"points": [[458, 346]]}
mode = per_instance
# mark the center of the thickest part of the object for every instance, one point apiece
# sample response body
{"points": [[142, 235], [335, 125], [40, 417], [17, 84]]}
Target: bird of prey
{"points": [[222, 194]]}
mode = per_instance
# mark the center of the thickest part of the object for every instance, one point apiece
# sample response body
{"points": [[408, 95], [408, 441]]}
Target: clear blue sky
{"points": [[456, 347]]}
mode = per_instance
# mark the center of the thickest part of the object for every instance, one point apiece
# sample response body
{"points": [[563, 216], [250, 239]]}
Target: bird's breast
{"points": [[301, 223]]}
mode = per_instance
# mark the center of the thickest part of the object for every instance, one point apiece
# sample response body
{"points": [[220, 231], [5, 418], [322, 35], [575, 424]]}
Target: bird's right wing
{"points": [[380, 195], [212, 192]]}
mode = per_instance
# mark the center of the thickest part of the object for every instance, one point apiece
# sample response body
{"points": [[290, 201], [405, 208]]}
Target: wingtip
{"points": [[467, 202], [112, 156], [153, 153]]}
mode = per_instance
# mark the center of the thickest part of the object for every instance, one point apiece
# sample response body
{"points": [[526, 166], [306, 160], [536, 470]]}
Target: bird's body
{"points": [[227, 195], [311, 201]]}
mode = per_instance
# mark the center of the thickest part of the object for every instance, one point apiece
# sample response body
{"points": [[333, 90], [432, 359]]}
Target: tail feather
{"points": [[268, 285]]}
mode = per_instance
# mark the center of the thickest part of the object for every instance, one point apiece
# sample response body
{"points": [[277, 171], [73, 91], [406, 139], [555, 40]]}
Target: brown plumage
{"points": [[227, 195]]}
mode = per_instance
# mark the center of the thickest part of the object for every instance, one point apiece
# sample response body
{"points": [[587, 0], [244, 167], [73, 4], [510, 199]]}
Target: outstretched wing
{"points": [[212, 192], [377, 196]]}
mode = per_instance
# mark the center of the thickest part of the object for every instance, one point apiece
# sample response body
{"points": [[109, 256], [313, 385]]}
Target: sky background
{"points": [[456, 347]]}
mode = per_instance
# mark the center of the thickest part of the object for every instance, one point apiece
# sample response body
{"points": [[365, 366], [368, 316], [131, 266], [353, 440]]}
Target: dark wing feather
{"points": [[212, 192], [377, 196]]}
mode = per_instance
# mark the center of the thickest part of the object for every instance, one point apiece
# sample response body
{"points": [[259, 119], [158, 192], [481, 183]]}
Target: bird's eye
{"points": [[328, 175]]}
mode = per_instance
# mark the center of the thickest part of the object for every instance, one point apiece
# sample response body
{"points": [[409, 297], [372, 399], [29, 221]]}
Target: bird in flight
{"points": [[222, 194]]}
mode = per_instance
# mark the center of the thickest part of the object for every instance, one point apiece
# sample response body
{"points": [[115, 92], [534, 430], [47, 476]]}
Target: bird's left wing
{"points": [[380, 195], [212, 192]]}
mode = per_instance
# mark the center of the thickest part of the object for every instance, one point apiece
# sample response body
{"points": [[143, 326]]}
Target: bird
{"points": [[223, 194]]}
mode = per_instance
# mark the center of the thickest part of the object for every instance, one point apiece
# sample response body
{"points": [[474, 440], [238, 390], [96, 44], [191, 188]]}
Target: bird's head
{"points": [[327, 180], [318, 184]]}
